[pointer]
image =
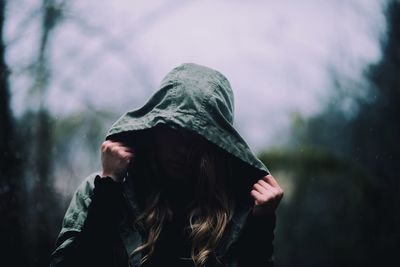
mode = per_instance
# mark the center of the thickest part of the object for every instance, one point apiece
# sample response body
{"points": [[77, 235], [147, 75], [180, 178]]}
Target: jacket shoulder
{"points": [[76, 213]]}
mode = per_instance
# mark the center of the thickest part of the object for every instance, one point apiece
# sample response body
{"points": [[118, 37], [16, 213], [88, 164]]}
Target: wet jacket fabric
{"points": [[97, 228]]}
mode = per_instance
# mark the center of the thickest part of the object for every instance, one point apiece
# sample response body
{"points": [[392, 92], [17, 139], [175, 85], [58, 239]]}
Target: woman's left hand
{"points": [[267, 195]]}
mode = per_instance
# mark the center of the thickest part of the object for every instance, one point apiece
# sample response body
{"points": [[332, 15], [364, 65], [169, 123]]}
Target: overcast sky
{"points": [[278, 55]]}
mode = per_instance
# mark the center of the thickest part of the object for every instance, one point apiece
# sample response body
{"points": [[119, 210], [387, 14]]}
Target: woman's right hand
{"points": [[115, 158]]}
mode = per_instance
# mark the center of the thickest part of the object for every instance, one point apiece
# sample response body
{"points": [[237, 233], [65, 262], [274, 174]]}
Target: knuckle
{"points": [[104, 145], [115, 150], [273, 191], [119, 153], [280, 191], [108, 145]]}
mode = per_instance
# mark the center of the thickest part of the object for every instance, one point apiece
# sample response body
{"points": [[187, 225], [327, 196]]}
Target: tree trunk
{"points": [[10, 171]]}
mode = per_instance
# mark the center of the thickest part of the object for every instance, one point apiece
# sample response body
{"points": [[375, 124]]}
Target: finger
{"points": [[126, 155], [271, 180], [262, 190], [110, 145], [106, 145], [265, 185], [257, 196], [276, 190], [124, 147], [272, 190], [127, 149], [119, 144], [268, 191], [115, 143], [118, 147]]}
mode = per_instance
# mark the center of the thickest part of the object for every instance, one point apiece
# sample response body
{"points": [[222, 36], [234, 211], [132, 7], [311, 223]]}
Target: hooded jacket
{"points": [[96, 229]]}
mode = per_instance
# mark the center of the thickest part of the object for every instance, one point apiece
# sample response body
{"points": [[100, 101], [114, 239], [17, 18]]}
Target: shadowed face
{"points": [[172, 148]]}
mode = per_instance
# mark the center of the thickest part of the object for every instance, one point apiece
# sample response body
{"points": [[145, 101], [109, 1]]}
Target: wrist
{"points": [[107, 199], [114, 177], [262, 211], [265, 221]]}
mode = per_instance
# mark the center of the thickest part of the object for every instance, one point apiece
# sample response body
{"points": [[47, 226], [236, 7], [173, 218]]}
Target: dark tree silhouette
{"points": [[11, 166], [345, 208], [376, 143]]}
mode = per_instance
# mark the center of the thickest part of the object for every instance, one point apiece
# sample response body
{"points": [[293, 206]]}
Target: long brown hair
{"points": [[210, 211]]}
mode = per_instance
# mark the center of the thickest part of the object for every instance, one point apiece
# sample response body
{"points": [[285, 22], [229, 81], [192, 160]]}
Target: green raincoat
{"points": [[95, 232]]}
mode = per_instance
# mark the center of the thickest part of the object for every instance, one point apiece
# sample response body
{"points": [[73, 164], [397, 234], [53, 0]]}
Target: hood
{"points": [[198, 99]]}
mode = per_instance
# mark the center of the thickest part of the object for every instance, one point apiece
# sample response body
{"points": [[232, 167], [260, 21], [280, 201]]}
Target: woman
{"points": [[178, 186]]}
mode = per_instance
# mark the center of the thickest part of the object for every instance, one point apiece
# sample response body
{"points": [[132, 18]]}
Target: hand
{"points": [[266, 194], [115, 158]]}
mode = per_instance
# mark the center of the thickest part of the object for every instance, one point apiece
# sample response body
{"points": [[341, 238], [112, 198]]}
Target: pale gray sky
{"points": [[278, 55]]}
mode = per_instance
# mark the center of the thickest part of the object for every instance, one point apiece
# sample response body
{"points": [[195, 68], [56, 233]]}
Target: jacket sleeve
{"points": [[89, 235], [255, 246]]}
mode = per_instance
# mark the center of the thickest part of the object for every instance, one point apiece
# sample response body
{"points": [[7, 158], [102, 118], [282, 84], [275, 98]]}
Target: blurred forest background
{"points": [[337, 163]]}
